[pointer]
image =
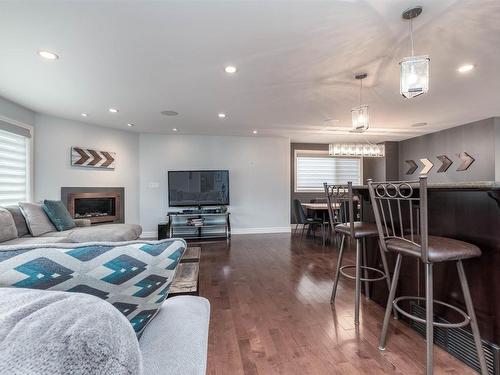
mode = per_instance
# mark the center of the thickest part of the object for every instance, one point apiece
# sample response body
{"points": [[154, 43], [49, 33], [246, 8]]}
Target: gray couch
{"points": [[41, 333], [83, 232]]}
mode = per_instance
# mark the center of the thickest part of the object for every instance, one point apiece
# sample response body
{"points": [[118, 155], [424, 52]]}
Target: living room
{"points": [[237, 187]]}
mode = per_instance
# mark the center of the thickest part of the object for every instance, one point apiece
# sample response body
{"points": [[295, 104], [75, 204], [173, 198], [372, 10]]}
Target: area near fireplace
{"points": [[99, 205]]}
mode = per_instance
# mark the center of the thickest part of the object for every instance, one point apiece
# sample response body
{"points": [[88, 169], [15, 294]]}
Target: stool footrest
{"points": [[383, 277], [463, 323]]}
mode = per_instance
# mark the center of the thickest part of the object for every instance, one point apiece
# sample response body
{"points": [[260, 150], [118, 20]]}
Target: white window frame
{"points": [[321, 153], [30, 193]]}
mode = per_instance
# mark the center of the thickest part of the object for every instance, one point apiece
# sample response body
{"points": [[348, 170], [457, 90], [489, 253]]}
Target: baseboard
{"points": [[154, 234]]}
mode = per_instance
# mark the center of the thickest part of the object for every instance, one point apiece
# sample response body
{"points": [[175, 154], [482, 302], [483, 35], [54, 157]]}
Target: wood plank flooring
{"points": [[271, 314]]}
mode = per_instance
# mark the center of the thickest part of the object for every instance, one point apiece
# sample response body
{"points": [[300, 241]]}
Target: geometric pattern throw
{"points": [[133, 276]]}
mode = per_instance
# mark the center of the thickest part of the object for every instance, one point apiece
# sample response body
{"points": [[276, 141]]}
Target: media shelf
{"points": [[214, 225]]}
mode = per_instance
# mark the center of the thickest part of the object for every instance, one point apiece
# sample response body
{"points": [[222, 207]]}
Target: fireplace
{"points": [[99, 205]]}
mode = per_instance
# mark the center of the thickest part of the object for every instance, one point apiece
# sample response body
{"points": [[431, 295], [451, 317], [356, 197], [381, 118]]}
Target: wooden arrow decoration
{"points": [[413, 166], [427, 166], [446, 162], [83, 157], [467, 160]]}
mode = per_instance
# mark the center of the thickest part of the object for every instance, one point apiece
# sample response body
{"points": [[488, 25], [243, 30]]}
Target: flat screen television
{"points": [[198, 188]]}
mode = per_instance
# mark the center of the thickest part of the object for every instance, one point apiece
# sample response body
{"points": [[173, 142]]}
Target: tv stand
{"points": [[191, 224]]}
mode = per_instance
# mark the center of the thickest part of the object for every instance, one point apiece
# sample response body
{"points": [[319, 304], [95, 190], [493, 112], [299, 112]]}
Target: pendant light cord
{"points": [[411, 36]]}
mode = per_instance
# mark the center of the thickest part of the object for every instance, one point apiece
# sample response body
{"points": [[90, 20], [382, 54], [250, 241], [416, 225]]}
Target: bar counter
{"points": [[467, 211]]}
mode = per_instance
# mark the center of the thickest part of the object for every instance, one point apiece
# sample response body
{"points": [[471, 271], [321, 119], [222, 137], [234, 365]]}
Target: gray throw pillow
{"points": [[37, 220], [8, 229], [22, 228]]}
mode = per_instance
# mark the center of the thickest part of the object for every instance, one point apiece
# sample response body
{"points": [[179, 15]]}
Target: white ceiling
{"points": [[295, 64]]}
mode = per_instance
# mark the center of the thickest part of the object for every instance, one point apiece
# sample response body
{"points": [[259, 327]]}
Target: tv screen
{"points": [[198, 188]]}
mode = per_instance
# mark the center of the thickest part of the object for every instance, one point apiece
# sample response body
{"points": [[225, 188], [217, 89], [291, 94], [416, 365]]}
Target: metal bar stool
{"points": [[344, 210], [394, 204]]}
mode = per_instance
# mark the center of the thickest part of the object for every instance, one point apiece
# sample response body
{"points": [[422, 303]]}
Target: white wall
{"points": [[259, 177], [52, 147], [12, 111]]}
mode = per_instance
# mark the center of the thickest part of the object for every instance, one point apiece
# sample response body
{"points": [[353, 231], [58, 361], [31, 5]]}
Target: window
{"points": [[15, 179], [313, 168]]}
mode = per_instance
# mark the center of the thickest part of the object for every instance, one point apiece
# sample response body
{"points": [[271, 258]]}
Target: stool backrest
{"points": [[341, 208], [400, 209]]}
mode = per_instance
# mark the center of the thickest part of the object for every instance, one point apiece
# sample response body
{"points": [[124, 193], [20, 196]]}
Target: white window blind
{"points": [[13, 168], [312, 170]]}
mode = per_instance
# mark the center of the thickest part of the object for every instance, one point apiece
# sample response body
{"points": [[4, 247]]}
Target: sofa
{"points": [[79, 309], [93, 300], [83, 232]]}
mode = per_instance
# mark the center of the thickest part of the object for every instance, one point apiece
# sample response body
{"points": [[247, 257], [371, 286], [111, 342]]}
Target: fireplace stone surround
{"points": [[98, 204]]}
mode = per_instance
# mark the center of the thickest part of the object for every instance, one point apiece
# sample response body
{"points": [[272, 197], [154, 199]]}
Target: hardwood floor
{"points": [[271, 314]]}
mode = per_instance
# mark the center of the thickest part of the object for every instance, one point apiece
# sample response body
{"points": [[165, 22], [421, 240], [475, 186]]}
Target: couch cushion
{"points": [[58, 214], [28, 240], [37, 220], [8, 230], [22, 228], [46, 332], [104, 232], [176, 341], [133, 276]]}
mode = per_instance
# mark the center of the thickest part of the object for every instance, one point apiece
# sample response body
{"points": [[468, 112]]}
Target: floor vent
{"points": [[458, 342]]}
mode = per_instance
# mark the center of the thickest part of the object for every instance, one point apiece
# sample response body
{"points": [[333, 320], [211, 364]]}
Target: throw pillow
{"points": [[58, 214], [57, 333], [133, 276], [8, 230], [22, 228], [37, 220]]}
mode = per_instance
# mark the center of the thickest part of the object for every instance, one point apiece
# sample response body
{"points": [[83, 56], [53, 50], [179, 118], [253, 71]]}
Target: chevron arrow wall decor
{"points": [[427, 166], [84, 157], [413, 166], [466, 159], [446, 162]]}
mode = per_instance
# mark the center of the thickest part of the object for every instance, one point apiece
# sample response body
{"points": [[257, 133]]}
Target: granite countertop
{"points": [[474, 185]]}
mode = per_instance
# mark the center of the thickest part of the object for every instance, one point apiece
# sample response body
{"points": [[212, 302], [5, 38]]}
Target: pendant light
{"points": [[360, 117], [414, 79]]}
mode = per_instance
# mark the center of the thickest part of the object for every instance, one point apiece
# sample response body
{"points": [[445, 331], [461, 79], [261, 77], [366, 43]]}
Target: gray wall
{"points": [[258, 173], [478, 139], [12, 111], [52, 146]]}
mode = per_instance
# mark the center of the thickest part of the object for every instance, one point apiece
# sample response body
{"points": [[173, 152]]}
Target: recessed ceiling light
{"points": [[169, 113], [130, 125], [465, 68], [418, 124], [222, 115], [48, 55], [174, 129], [230, 69], [113, 110], [255, 132], [84, 114]]}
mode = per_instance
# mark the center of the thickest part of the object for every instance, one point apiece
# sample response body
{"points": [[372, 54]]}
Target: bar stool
{"points": [[392, 202], [345, 210]]}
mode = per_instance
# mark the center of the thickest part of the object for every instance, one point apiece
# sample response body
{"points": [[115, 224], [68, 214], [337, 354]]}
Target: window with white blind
{"points": [[312, 169], [14, 164]]}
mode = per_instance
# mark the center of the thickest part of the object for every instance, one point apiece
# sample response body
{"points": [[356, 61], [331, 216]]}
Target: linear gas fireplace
{"points": [[99, 205]]}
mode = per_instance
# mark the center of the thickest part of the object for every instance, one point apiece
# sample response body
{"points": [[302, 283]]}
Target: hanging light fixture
{"points": [[357, 149], [360, 117], [414, 69]]}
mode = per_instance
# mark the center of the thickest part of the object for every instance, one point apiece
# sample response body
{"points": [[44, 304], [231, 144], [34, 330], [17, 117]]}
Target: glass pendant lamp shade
{"points": [[360, 118], [414, 76]]}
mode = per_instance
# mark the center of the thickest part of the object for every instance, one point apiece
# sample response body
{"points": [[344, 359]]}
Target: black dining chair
{"points": [[307, 222]]}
